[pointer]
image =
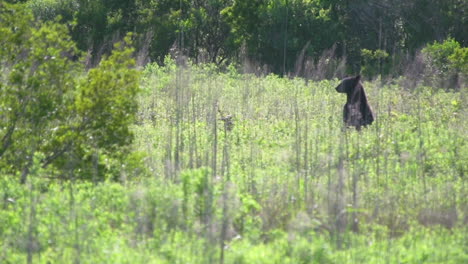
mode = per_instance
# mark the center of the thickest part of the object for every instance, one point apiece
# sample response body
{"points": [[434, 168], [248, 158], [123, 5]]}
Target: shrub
{"points": [[375, 63], [445, 63]]}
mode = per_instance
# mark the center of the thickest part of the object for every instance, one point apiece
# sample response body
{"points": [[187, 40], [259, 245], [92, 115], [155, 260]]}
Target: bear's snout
{"points": [[340, 88]]}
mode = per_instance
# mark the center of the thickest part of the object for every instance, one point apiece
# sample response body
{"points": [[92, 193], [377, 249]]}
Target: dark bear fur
{"points": [[357, 111]]}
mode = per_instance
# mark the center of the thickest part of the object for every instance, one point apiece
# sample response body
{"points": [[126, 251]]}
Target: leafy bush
{"points": [[375, 63], [459, 60], [50, 9], [446, 63]]}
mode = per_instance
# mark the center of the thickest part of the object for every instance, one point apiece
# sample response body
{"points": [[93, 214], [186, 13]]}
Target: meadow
{"points": [[253, 168]]}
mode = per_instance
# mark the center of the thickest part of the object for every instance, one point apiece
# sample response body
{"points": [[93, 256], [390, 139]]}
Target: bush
{"points": [[445, 63], [50, 9], [375, 63]]}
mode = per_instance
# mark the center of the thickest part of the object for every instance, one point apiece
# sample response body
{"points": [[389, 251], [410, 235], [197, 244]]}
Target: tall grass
{"points": [[247, 169]]}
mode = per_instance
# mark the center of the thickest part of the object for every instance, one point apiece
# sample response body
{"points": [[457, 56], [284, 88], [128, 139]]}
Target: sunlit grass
{"points": [[288, 184]]}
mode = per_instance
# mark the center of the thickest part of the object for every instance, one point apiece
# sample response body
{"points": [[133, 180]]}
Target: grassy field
{"points": [[235, 168]]}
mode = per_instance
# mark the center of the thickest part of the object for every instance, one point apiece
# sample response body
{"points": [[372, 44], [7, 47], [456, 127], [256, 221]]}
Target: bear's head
{"points": [[347, 84]]}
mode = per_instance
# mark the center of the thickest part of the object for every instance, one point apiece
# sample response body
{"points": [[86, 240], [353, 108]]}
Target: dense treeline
{"points": [[282, 36]]}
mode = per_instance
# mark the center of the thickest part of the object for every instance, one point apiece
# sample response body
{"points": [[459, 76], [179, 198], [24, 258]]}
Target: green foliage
{"points": [[111, 223], [197, 195], [446, 63], [292, 173], [106, 102], [277, 34], [51, 9], [459, 60], [274, 32], [76, 123], [104, 109], [37, 85], [439, 53], [286, 184], [284, 163], [375, 63]]}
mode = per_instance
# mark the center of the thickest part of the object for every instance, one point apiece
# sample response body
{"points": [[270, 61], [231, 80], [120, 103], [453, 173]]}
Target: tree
{"points": [[275, 31], [37, 84], [52, 108], [106, 108], [208, 32]]}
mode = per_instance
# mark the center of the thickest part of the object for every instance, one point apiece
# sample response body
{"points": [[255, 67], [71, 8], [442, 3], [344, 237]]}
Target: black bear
{"points": [[357, 111]]}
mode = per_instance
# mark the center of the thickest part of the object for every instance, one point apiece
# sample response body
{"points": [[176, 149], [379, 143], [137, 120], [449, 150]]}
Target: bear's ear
{"points": [[358, 77]]}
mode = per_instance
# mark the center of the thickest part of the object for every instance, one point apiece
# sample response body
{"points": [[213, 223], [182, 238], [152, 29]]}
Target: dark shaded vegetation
{"points": [[381, 36]]}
